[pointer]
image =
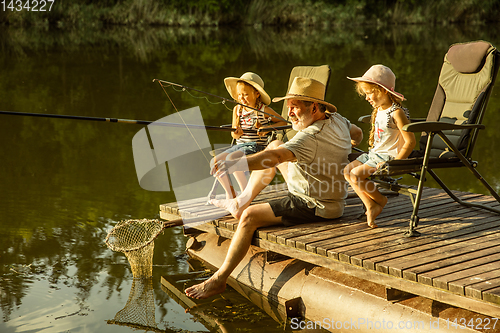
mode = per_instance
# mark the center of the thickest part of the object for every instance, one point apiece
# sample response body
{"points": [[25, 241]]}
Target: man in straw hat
{"points": [[311, 163]]}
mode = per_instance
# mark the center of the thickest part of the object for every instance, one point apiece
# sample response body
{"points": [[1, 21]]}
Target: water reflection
{"points": [[65, 183]]}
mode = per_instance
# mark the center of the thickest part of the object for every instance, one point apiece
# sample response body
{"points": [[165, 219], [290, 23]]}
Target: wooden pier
{"points": [[455, 261]]}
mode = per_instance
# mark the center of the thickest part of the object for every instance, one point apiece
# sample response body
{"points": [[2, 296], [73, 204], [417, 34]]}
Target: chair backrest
{"points": [[320, 73], [465, 83]]}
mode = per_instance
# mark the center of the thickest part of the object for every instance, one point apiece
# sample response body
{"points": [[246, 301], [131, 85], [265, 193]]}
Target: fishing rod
{"points": [[220, 97], [126, 121]]}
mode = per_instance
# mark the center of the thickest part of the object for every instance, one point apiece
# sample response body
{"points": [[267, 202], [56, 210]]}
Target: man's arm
{"points": [[269, 158], [356, 135], [265, 159]]}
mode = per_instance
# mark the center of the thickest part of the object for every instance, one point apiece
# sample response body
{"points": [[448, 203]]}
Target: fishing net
{"points": [[139, 312], [136, 238]]}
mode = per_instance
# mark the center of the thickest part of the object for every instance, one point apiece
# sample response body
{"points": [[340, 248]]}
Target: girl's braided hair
{"points": [[378, 90]]}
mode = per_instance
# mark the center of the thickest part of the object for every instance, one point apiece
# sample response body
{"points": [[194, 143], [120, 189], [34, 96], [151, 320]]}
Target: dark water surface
{"points": [[65, 183]]}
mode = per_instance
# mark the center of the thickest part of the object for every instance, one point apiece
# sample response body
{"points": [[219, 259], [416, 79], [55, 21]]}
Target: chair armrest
{"points": [[435, 126], [417, 120], [365, 119]]}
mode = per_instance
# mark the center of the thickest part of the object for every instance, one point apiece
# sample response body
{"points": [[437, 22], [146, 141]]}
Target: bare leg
{"points": [[256, 216], [240, 176], [356, 174], [259, 179], [224, 180]]}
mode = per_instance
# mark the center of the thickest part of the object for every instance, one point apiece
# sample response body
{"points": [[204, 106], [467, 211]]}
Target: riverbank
{"points": [[320, 13]]}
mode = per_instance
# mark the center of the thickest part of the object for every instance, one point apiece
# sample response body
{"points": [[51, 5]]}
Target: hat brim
{"points": [[230, 83], [330, 107], [364, 79]]}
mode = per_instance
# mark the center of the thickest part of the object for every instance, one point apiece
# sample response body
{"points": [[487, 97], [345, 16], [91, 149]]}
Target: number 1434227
{"points": [[28, 5]]}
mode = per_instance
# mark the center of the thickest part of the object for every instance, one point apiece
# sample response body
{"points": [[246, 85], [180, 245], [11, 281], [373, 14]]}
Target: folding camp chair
{"points": [[456, 113], [319, 73]]}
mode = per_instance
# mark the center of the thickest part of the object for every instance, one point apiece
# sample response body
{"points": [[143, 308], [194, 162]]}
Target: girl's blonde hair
{"points": [[378, 90]]}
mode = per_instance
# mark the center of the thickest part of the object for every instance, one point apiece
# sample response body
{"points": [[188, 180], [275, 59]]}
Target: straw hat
{"points": [[382, 76], [307, 89], [252, 79]]}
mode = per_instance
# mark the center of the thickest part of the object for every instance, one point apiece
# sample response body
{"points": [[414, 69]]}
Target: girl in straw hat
{"points": [[387, 140], [249, 91]]}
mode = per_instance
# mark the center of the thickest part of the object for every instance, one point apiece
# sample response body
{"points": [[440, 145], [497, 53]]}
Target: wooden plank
{"points": [[288, 237], [408, 286], [466, 252], [281, 234], [199, 206], [334, 247], [451, 230], [340, 227], [492, 295], [391, 232], [350, 229], [488, 280], [272, 233], [428, 276], [384, 279], [470, 268], [385, 219], [397, 266], [475, 285], [382, 263], [300, 228], [357, 254]]}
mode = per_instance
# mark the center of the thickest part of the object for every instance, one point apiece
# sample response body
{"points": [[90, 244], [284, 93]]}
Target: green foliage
{"points": [[65, 14]]}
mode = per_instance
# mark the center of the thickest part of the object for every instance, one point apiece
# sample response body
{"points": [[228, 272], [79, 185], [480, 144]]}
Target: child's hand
{"points": [[262, 133], [236, 134]]}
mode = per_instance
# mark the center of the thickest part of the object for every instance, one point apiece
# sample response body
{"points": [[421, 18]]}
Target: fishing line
{"points": [[191, 133], [220, 97], [199, 97]]}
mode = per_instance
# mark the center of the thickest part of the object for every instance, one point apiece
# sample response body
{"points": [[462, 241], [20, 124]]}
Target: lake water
{"points": [[65, 183]]}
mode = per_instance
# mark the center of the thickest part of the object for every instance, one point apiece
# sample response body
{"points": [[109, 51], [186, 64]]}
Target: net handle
{"points": [[165, 224], [173, 223]]}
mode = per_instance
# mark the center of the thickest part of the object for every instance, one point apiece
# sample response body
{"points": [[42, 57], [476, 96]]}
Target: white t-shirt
{"points": [[321, 151]]}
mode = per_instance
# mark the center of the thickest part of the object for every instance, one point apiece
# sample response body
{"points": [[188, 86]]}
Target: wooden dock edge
{"points": [[443, 296]]}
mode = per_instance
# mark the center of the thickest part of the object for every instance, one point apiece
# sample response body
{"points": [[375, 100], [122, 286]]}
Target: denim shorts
{"points": [[372, 159], [294, 210], [247, 148]]}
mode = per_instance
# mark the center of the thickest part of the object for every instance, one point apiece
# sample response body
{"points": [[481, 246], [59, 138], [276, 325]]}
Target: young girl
{"points": [[249, 91], [387, 139]]}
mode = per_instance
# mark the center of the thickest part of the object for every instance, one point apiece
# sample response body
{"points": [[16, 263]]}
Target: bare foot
{"points": [[231, 205], [375, 211], [210, 287]]}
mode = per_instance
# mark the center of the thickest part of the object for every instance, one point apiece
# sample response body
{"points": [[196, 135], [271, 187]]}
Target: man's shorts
{"points": [[372, 159], [247, 148], [294, 211]]}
